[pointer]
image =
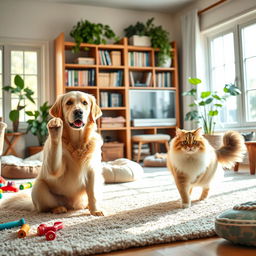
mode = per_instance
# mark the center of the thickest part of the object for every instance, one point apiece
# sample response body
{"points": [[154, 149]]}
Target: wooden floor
{"points": [[201, 247], [214, 246]]}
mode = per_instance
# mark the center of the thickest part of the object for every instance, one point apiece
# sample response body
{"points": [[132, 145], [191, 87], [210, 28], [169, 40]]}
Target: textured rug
{"points": [[140, 213]]}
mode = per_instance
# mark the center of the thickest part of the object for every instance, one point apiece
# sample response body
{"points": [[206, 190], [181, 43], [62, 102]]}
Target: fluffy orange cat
{"points": [[194, 162]]}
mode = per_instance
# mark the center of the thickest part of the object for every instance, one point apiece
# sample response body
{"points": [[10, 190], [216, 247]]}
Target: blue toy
{"points": [[12, 224]]}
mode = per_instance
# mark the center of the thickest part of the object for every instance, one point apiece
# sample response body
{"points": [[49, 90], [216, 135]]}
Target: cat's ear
{"points": [[198, 131], [178, 132]]}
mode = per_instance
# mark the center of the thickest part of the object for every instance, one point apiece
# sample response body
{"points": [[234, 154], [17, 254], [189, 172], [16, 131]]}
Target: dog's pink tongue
{"points": [[78, 123]]}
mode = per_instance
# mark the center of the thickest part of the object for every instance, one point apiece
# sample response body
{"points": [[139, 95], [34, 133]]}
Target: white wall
{"points": [[45, 21]]}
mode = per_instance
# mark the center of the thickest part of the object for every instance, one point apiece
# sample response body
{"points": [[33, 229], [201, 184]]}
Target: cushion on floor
{"points": [[157, 160], [121, 170]]}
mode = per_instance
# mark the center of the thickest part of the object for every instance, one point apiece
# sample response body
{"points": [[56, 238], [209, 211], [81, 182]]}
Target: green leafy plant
{"points": [[206, 104], [38, 124], [22, 92], [158, 36], [92, 33]]}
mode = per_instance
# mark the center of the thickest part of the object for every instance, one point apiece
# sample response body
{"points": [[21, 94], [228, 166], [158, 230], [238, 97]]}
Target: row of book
{"points": [[110, 58], [139, 59], [110, 99], [140, 81], [164, 79], [110, 79], [80, 77]]}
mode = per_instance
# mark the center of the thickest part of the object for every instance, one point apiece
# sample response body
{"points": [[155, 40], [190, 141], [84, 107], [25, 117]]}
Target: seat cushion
{"points": [[17, 168], [121, 170], [157, 160], [151, 137]]}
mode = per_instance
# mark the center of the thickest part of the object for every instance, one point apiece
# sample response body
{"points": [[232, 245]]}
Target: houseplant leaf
{"points": [[19, 81]]}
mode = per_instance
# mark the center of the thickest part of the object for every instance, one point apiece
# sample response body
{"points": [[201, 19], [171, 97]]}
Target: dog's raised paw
{"points": [[55, 123], [59, 209]]}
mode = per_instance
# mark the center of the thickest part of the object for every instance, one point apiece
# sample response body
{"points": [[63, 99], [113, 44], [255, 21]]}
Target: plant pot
{"points": [[167, 62], [216, 140], [32, 150], [140, 40]]}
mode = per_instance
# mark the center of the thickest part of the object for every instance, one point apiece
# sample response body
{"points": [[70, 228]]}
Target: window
{"points": [[232, 59], [24, 61]]}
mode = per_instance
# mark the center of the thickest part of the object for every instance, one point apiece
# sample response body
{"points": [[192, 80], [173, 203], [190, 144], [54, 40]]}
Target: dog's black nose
{"points": [[78, 113]]}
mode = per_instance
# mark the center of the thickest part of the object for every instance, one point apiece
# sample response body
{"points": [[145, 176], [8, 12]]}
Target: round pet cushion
{"points": [[16, 168], [157, 160], [121, 170], [239, 224]]}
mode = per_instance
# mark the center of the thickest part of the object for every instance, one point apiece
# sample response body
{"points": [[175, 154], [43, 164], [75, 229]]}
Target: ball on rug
{"points": [[239, 224], [157, 160], [121, 170]]}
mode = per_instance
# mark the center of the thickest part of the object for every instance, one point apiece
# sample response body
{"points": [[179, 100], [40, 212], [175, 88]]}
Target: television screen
{"points": [[152, 107]]}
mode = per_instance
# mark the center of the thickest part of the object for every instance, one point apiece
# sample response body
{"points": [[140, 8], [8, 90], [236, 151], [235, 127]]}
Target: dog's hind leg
{"points": [[44, 200]]}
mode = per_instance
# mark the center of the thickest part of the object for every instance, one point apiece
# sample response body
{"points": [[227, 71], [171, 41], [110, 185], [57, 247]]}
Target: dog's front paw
{"points": [[185, 205], [55, 123], [97, 213]]}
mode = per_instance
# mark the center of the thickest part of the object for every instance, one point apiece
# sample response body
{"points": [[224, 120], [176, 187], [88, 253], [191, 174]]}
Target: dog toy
{"points": [[2, 180], [49, 231], [1, 195], [23, 232], [12, 224], [26, 185], [10, 188]]}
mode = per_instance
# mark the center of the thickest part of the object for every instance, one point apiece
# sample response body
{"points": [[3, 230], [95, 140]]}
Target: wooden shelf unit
{"points": [[64, 61]]}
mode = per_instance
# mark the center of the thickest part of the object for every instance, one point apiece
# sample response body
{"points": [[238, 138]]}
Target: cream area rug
{"points": [[140, 213]]}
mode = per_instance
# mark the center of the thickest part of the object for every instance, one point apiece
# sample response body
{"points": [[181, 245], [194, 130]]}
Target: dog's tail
{"points": [[233, 149], [19, 201]]}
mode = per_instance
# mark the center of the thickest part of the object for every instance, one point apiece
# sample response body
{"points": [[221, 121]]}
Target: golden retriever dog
{"points": [[72, 157]]}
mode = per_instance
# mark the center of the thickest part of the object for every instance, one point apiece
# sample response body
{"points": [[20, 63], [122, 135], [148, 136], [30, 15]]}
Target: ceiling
{"points": [[167, 6]]}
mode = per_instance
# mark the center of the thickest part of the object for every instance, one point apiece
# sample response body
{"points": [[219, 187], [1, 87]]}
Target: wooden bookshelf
{"points": [[64, 60]]}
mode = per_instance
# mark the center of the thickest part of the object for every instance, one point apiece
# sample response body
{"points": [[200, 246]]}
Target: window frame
{"points": [[236, 28], [43, 70]]}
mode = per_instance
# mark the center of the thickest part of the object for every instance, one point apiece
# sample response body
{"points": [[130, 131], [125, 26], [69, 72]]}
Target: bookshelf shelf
{"points": [[116, 87]]}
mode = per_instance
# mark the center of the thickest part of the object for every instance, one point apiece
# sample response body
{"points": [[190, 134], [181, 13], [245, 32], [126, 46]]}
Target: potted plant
{"points": [[37, 125], [206, 106], [87, 32], [159, 38], [22, 92]]}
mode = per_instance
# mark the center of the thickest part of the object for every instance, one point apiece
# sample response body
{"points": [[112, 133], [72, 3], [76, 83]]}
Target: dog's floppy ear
{"points": [[95, 112], [56, 109]]}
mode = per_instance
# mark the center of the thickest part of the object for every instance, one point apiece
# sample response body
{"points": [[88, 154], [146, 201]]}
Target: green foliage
{"points": [[158, 36], [38, 124], [22, 93], [91, 33], [205, 107]]}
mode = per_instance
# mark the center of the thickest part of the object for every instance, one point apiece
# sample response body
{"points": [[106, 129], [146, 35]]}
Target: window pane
{"points": [[250, 74], [249, 41], [252, 105], [31, 83], [16, 62], [30, 63]]}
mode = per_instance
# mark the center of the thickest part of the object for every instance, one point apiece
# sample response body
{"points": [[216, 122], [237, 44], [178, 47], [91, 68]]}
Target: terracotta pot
{"points": [[34, 149], [216, 140]]}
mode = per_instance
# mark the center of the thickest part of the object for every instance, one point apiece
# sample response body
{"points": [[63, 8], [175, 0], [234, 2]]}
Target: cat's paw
{"points": [[185, 205]]}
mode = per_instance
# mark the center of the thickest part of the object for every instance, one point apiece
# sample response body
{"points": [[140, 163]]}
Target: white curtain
{"points": [[192, 61]]}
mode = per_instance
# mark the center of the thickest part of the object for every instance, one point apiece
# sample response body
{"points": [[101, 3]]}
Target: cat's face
{"points": [[189, 142]]}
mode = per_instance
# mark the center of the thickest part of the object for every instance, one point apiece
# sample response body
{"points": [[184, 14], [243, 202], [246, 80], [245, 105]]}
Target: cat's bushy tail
{"points": [[232, 150]]}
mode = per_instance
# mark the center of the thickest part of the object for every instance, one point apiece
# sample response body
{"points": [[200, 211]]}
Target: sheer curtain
{"points": [[192, 61]]}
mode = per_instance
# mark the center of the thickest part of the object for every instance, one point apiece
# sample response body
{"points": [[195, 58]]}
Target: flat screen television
{"points": [[152, 107]]}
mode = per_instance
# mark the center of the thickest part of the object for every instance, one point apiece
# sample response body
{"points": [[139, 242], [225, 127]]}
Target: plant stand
{"points": [[11, 140]]}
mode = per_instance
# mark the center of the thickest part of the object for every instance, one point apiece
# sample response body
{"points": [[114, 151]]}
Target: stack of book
{"points": [[110, 79], [112, 122], [110, 99], [80, 77], [85, 61], [163, 79], [110, 58], [139, 59]]}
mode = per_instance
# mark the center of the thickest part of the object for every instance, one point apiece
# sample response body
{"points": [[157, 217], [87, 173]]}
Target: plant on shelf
{"points": [[158, 36], [206, 104], [22, 93], [91, 33], [38, 124]]}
